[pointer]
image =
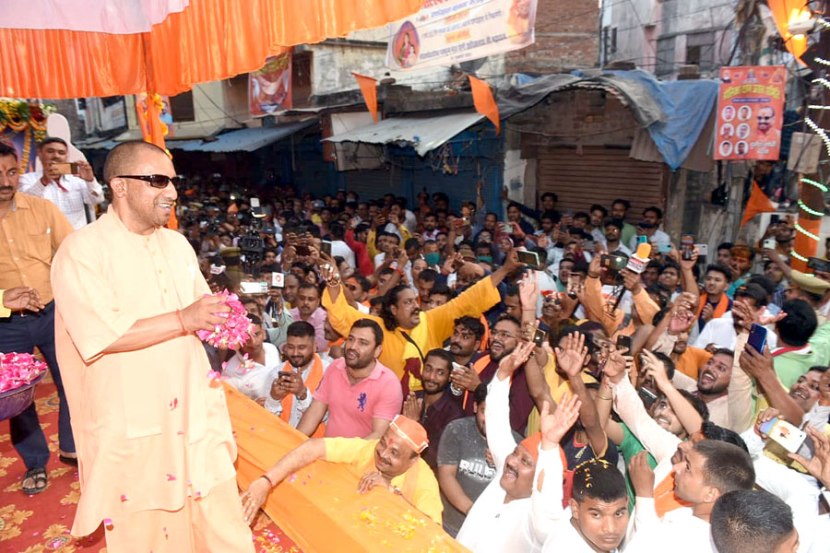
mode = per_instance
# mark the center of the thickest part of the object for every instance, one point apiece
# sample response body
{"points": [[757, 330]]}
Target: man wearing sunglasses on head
{"points": [[154, 438]]}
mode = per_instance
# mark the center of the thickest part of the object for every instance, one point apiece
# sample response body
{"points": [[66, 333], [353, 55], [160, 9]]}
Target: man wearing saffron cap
{"points": [[392, 462]]}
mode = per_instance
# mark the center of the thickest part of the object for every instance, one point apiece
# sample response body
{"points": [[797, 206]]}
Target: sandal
{"points": [[39, 481]]}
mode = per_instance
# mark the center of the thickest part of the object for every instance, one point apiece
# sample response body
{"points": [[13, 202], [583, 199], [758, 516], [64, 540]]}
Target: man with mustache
{"points": [[434, 406], [31, 229], [391, 461], [359, 394], [409, 332]]}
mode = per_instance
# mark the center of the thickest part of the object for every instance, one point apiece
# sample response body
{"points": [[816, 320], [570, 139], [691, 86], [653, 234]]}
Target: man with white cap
{"points": [[393, 461]]}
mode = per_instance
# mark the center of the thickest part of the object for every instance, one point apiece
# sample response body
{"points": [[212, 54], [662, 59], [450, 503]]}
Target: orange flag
{"points": [[484, 102], [369, 88], [758, 203]]}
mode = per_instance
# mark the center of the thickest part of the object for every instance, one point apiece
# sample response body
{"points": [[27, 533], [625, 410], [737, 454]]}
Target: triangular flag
{"points": [[758, 203], [369, 88], [484, 102]]}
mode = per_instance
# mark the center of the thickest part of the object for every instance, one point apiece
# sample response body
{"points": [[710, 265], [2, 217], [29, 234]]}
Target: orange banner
{"points": [[750, 112]]}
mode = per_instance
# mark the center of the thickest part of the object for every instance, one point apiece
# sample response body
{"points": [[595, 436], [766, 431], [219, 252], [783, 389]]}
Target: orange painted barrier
{"points": [[319, 507]]}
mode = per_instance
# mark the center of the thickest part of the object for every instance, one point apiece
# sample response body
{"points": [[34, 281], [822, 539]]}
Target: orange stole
{"points": [[720, 309], [664, 498], [319, 507], [315, 375]]}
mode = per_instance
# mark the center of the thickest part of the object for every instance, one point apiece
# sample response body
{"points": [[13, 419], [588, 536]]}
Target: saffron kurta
{"points": [[149, 426]]}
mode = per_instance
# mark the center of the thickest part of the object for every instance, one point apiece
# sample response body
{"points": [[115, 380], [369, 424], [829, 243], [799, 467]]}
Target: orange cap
{"points": [[531, 444], [411, 432]]}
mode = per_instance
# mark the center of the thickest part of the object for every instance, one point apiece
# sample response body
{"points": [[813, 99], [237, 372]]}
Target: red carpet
{"points": [[41, 523]]}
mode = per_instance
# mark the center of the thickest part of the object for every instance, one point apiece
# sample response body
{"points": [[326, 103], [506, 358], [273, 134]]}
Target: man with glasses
{"points": [[31, 229], [766, 118], [154, 437]]}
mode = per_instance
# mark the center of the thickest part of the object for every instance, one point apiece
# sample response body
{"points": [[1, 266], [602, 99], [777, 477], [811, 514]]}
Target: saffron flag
{"points": [[369, 89], [758, 203], [484, 102]]}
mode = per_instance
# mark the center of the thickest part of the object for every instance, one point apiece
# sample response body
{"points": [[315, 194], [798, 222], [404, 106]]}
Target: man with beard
{"points": [[32, 230], [391, 462], [408, 332], [302, 373], [359, 394], [614, 241], [253, 368], [741, 265], [434, 406], [713, 385], [504, 338], [308, 309], [619, 209]]}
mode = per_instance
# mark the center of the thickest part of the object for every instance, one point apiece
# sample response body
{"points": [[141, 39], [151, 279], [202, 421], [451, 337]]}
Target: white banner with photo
{"points": [[446, 32]]}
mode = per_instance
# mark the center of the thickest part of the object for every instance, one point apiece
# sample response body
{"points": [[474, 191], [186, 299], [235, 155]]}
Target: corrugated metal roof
{"points": [[423, 133], [242, 140]]}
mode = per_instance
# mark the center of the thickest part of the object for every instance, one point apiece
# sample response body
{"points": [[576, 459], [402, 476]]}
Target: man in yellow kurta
{"points": [[153, 435], [408, 332]]}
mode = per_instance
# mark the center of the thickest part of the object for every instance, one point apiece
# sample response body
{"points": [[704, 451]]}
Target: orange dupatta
{"points": [[315, 375], [720, 309]]}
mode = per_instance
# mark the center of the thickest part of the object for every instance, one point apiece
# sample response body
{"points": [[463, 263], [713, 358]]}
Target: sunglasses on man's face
{"points": [[156, 181]]}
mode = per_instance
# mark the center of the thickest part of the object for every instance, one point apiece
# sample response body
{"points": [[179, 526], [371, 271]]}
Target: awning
{"points": [[422, 133], [242, 140]]}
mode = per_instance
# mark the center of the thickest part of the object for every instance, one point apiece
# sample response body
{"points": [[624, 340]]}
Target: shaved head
{"points": [[122, 159]]}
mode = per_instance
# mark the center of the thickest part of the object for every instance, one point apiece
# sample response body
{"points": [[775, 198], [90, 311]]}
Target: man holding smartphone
{"points": [[70, 186]]}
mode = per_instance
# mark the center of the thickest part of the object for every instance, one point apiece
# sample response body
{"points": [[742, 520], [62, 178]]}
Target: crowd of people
{"points": [[529, 378]]}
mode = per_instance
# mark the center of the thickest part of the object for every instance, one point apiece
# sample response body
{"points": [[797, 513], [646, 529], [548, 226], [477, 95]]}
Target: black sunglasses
{"points": [[156, 181]]}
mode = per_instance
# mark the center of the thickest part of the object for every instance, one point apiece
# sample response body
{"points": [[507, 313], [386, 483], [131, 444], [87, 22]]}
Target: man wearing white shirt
{"points": [[597, 515], [72, 194], [649, 227], [703, 472], [499, 519], [749, 304], [254, 368]]}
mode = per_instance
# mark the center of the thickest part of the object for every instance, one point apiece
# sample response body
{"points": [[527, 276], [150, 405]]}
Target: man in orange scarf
{"points": [[714, 302], [298, 378]]}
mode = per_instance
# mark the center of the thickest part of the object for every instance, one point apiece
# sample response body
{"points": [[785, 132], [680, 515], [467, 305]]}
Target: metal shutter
{"points": [[599, 175]]}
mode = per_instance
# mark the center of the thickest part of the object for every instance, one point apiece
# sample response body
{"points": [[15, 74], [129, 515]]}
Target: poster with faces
{"points": [[750, 112]]}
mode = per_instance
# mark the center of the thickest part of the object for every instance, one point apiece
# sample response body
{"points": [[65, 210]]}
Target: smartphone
{"points": [[325, 247], [647, 396], [254, 202], [253, 288], [642, 239], [818, 264], [666, 248], [284, 374], [614, 261], [788, 436], [757, 337], [573, 285], [539, 337], [702, 250], [624, 343], [302, 251], [531, 259], [769, 244], [66, 168], [457, 368], [277, 280], [687, 246], [506, 228]]}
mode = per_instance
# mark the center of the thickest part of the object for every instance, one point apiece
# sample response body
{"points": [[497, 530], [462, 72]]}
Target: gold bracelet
{"points": [[603, 397]]}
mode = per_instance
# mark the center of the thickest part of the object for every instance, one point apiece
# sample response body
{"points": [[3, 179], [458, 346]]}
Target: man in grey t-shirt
{"points": [[464, 464]]}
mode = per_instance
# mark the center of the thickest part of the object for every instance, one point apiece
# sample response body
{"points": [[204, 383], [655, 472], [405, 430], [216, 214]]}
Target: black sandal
{"points": [[39, 479]]}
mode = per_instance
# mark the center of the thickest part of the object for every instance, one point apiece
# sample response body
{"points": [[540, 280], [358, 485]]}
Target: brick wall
{"points": [[566, 38]]}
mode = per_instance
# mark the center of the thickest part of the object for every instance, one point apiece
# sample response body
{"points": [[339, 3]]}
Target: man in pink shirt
{"points": [[360, 395]]}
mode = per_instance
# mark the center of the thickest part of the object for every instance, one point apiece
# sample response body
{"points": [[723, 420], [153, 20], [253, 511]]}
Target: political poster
{"points": [[269, 89], [447, 32], [750, 112]]}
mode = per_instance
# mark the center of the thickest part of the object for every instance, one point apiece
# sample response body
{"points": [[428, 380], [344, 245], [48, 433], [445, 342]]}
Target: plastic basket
{"points": [[14, 402]]}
